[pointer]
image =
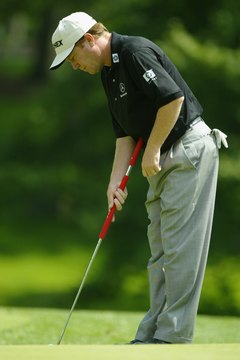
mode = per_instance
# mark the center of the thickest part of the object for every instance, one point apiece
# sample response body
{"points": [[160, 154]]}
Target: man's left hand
{"points": [[151, 162]]}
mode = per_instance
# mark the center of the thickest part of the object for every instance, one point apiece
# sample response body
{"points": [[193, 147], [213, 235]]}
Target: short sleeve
{"points": [[147, 72]]}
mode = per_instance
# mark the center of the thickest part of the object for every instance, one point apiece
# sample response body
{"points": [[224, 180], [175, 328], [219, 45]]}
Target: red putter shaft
{"points": [[122, 186]]}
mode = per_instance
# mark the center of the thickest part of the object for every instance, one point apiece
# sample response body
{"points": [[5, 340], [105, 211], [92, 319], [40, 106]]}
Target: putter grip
{"points": [[122, 186]]}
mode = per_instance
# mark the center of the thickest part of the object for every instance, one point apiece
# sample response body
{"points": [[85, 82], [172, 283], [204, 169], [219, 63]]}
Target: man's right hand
{"points": [[123, 152], [116, 196]]}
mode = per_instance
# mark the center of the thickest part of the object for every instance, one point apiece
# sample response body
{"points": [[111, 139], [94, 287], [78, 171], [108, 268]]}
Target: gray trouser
{"points": [[180, 206]]}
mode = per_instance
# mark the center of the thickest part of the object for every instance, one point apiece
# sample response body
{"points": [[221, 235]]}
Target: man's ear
{"points": [[90, 38]]}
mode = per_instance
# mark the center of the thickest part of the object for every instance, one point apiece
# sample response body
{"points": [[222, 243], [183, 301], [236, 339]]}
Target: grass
{"points": [[111, 352], [103, 335], [43, 326]]}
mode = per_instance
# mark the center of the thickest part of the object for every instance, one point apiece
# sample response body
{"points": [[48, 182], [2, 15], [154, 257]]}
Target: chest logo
{"points": [[122, 87], [149, 75]]}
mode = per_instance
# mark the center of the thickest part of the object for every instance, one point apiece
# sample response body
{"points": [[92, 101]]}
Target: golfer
{"points": [[148, 98]]}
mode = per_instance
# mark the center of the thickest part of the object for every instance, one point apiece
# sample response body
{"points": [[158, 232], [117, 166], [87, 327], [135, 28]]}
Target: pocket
{"points": [[192, 152]]}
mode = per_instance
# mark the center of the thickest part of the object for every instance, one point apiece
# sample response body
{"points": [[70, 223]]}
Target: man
{"points": [[148, 98]]}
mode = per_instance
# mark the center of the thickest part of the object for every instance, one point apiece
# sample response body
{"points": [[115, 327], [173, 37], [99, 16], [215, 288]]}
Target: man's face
{"points": [[86, 56]]}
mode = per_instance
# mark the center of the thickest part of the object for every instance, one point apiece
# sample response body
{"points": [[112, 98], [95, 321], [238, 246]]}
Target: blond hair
{"points": [[96, 30]]}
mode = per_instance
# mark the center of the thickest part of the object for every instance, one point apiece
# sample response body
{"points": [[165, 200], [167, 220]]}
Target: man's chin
{"points": [[93, 72]]}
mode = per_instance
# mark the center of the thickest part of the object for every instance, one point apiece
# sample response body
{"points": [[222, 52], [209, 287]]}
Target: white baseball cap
{"points": [[70, 29]]}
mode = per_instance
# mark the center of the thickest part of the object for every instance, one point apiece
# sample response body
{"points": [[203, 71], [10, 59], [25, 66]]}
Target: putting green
{"points": [[120, 352]]}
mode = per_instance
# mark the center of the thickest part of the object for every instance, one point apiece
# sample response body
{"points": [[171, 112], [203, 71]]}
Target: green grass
{"points": [[112, 352], [103, 336], [43, 326]]}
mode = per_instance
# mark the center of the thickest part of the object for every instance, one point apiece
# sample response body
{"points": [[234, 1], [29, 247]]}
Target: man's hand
{"points": [[116, 197], [166, 118], [151, 162]]}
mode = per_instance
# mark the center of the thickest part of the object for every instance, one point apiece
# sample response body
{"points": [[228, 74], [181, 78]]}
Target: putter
{"points": [[103, 232]]}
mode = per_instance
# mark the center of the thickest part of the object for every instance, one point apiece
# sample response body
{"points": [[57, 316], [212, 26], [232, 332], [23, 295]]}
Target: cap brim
{"points": [[60, 58]]}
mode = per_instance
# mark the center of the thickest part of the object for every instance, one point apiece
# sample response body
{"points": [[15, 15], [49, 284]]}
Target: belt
{"points": [[195, 121], [199, 126]]}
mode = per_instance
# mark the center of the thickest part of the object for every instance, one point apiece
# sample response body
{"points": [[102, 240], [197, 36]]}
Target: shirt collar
{"points": [[116, 47]]}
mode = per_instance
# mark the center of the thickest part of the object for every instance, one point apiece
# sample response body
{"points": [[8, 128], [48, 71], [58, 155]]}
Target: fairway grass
{"points": [[102, 335], [126, 352], [28, 326]]}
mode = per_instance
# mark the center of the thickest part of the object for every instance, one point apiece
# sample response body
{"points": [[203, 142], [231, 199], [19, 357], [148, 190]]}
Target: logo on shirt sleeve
{"points": [[149, 75]]}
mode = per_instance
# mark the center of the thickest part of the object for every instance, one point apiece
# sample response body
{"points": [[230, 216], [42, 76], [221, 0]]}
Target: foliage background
{"points": [[56, 150]]}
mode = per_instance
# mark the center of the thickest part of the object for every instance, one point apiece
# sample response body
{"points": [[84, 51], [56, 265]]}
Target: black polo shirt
{"points": [[140, 81]]}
